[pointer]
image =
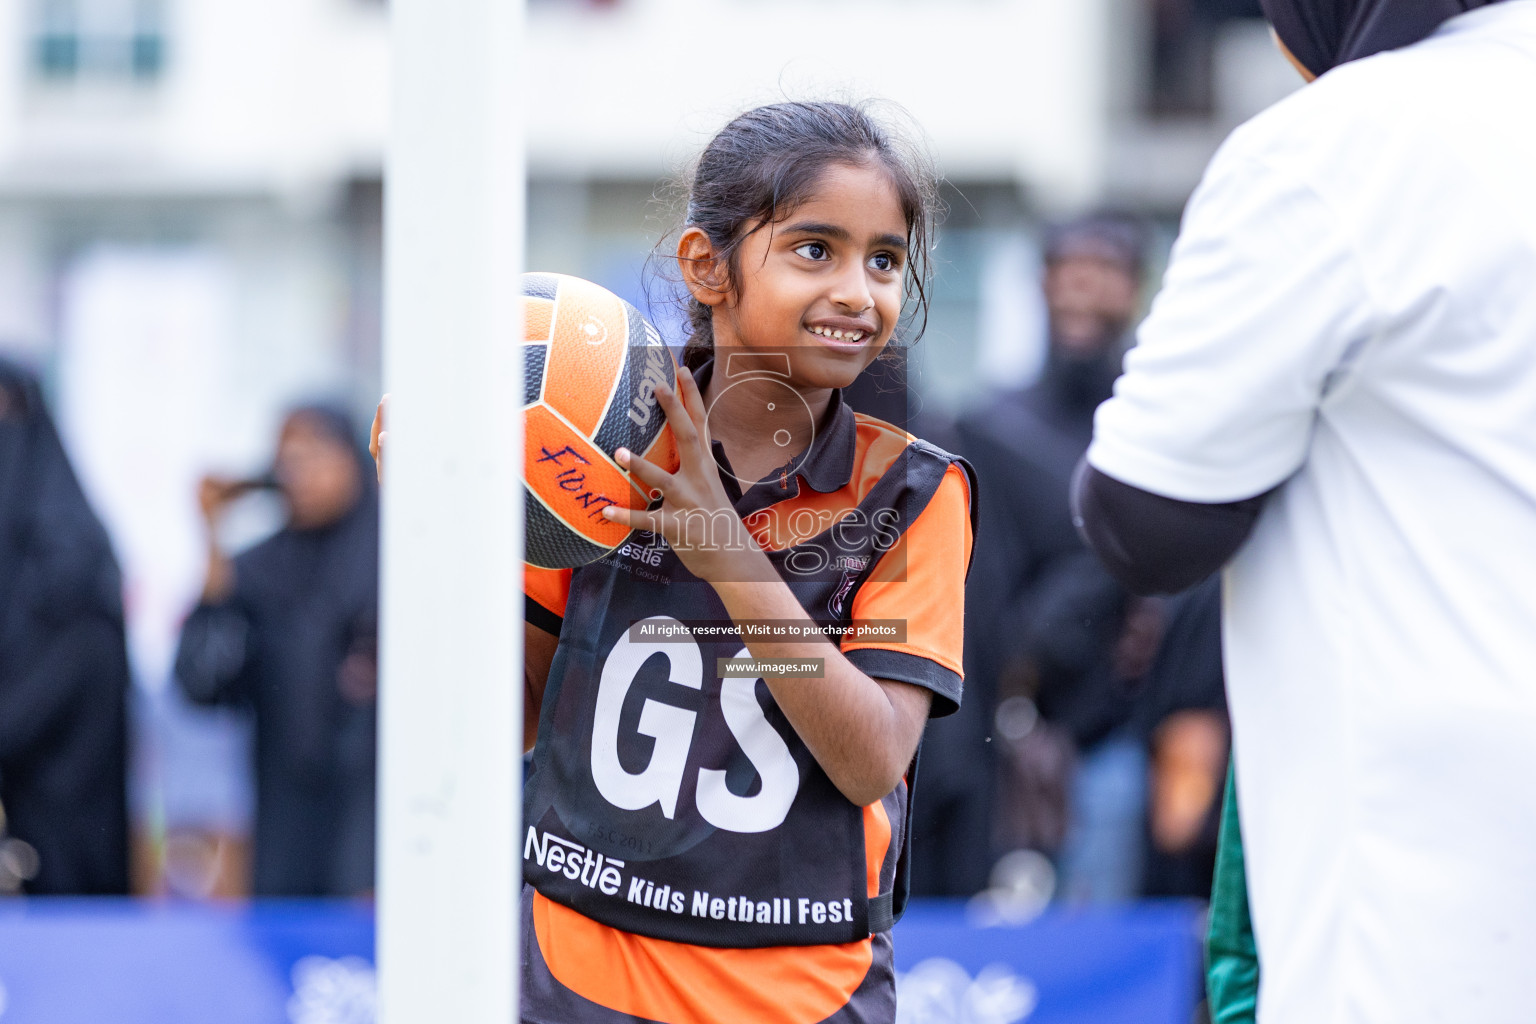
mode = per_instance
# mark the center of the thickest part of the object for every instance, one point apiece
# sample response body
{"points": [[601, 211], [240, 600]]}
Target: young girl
{"points": [[705, 843]]}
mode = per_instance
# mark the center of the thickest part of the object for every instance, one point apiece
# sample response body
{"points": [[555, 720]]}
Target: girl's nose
{"points": [[851, 291]]}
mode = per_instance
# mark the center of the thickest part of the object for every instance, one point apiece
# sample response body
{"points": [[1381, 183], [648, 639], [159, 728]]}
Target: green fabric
{"points": [[1231, 957]]}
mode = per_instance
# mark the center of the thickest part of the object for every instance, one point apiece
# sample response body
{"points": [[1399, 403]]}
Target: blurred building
{"points": [[252, 137], [190, 200], [1034, 110]]}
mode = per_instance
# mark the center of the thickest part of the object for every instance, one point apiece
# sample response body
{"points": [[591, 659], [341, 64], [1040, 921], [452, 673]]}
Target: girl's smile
{"points": [[843, 330]]}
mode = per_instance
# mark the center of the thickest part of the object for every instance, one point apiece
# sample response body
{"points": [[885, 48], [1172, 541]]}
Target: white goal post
{"points": [[451, 635]]}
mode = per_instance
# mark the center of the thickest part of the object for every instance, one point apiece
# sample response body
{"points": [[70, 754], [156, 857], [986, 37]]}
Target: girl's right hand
{"points": [[696, 516], [376, 438]]}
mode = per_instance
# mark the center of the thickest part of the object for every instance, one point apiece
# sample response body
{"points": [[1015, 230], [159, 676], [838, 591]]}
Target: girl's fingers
{"points": [[634, 519], [688, 389], [378, 417], [652, 476], [377, 450], [377, 436], [683, 429]]}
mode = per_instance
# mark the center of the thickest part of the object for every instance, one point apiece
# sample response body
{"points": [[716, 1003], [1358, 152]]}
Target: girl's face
{"points": [[823, 285]]}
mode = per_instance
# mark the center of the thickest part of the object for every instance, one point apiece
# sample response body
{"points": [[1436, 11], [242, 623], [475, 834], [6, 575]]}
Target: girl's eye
{"points": [[812, 251], [883, 261]]}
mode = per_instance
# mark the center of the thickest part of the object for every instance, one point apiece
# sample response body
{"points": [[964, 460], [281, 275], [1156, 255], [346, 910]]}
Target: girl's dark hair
{"points": [[767, 161]]}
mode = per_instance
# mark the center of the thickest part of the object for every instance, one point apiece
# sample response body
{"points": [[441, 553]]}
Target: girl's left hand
{"points": [[696, 515], [377, 436]]}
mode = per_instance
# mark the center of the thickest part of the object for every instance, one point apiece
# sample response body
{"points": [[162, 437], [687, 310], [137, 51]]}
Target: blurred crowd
{"points": [[286, 630], [1085, 765], [1086, 762]]}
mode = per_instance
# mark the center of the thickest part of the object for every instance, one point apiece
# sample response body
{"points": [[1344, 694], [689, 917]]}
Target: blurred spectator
{"points": [[289, 630], [1185, 715], [1057, 647], [951, 824], [63, 666]]}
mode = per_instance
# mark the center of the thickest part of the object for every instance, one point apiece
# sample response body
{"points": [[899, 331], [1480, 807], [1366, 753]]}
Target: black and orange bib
{"points": [[670, 802]]}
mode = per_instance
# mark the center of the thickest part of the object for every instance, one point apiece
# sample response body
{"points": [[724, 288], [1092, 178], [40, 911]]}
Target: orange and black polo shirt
{"points": [[692, 861]]}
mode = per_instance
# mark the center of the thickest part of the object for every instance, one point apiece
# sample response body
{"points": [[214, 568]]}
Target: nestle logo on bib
{"points": [[641, 553], [574, 861]]}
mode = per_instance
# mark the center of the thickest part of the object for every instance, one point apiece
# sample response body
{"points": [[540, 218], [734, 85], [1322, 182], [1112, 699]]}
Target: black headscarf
{"points": [[55, 557], [1323, 34], [63, 659], [19, 427]]}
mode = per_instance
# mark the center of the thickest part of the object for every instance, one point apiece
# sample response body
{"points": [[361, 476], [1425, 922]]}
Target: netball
{"points": [[591, 364]]}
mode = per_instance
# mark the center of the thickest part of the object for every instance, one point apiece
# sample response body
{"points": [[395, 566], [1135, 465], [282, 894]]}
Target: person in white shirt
{"points": [[1336, 389]]}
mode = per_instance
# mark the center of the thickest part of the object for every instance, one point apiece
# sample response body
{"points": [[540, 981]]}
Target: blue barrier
{"points": [[1133, 965], [121, 962], [118, 961]]}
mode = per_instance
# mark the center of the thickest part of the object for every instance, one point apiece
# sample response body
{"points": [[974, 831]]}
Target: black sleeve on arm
{"points": [[1153, 544]]}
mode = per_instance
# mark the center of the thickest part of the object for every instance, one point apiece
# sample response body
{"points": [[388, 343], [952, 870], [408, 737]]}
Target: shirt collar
{"points": [[826, 466]]}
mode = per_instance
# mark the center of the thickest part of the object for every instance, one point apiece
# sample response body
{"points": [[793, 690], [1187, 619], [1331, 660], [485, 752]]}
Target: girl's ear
{"points": [[704, 272]]}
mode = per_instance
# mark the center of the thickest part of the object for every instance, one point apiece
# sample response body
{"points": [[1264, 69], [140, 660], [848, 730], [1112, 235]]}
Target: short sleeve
{"points": [[544, 595], [921, 582], [1263, 302]]}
